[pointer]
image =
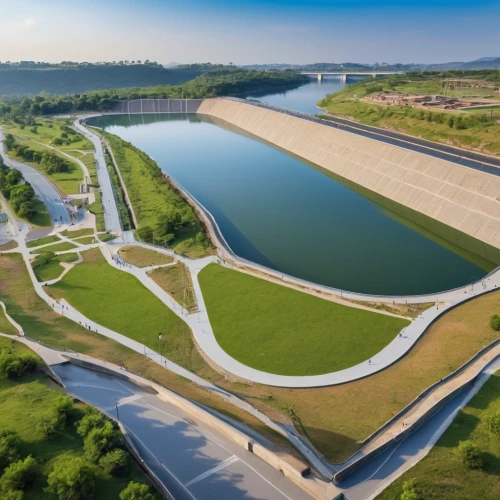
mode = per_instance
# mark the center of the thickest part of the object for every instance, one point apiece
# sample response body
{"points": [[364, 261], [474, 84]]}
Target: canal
{"points": [[296, 218]]}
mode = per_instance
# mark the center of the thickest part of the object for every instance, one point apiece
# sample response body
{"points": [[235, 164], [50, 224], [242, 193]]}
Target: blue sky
{"points": [[250, 31]]}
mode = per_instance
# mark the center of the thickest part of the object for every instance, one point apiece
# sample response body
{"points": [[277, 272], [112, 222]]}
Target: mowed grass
{"points": [[78, 233], [49, 271], [23, 403], [279, 330], [10, 245], [118, 301], [40, 322], [142, 257], [86, 240], [57, 247], [42, 241], [176, 281], [5, 325], [440, 475]]}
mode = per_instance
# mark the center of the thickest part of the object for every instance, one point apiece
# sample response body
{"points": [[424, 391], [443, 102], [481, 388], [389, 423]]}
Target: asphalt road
{"points": [[111, 216], [369, 480], [193, 460], [43, 189], [470, 159]]}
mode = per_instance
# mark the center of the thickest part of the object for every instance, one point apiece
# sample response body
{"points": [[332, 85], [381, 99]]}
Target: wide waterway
{"points": [[296, 218]]}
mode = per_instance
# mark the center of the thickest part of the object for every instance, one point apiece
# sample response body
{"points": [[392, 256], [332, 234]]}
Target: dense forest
{"points": [[28, 78], [213, 83]]}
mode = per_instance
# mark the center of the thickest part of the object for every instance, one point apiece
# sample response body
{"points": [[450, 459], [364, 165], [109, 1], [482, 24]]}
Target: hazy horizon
{"points": [[251, 31]]}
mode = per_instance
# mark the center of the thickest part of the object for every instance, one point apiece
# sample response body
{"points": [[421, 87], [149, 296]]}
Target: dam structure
{"points": [[455, 197]]}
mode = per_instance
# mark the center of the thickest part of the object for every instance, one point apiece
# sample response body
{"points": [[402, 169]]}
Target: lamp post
{"points": [[117, 415], [159, 345]]}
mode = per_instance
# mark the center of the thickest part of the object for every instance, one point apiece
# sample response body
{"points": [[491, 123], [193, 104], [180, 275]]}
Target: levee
{"points": [[462, 204]]}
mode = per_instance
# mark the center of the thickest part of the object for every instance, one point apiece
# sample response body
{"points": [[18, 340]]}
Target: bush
{"points": [[495, 322], [72, 479], [145, 234], [19, 475], [101, 440], [92, 419], [13, 365], [9, 448], [469, 454], [48, 426], [136, 491], [63, 406], [493, 422], [410, 491], [114, 462]]}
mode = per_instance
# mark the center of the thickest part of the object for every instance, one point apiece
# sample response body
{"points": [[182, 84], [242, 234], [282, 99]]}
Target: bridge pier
{"points": [[320, 77], [343, 78]]}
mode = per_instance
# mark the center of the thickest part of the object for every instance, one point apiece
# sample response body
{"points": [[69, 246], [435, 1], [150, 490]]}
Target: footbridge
{"points": [[344, 74], [449, 191]]}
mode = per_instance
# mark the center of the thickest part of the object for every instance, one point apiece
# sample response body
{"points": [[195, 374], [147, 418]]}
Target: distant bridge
{"points": [[344, 74]]}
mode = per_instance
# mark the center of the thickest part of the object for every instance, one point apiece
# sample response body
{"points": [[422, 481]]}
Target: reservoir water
{"points": [[277, 211]]}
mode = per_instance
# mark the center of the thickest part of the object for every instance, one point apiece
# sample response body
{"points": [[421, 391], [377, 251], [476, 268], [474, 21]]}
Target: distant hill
{"points": [[172, 64], [30, 78]]}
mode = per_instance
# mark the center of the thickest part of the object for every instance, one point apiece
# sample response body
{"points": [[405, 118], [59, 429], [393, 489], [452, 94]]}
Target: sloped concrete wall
{"points": [[457, 197]]}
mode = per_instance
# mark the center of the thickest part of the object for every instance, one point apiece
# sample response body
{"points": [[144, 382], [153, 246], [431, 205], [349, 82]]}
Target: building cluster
{"points": [[425, 101]]}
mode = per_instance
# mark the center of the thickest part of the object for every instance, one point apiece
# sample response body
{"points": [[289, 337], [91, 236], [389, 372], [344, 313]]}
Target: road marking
{"points": [[124, 401], [81, 384], [213, 470], [222, 446]]}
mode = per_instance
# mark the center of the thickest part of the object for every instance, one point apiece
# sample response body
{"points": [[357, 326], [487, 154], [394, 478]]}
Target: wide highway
{"points": [[192, 459]]}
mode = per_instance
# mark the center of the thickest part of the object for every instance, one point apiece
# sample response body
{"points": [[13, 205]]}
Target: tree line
{"points": [[216, 82]]}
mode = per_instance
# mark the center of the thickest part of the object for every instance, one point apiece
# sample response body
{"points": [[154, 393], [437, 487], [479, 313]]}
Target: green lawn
{"points": [[10, 245], [5, 325], [142, 257], [49, 271], [107, 237], [67, 257], [279, 330], [22, 403], [57, 247], [87, 240], [77, 233], [97, 209], [42, 241], [440, 475], [119, 301]]}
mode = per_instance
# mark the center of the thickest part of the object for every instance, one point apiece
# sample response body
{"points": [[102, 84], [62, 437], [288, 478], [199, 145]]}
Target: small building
{"points": [[3, 218]]}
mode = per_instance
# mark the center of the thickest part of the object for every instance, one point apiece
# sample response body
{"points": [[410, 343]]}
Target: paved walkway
{"points": [[44, 189]]}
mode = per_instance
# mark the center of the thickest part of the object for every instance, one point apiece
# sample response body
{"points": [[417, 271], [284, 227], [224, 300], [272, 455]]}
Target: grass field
{"points": [[440, 475], [150, 193], [142, 257], [5, 325], [40, 322], [49, 271], [22, 403], [77, 233], [57, 247], [42, 241], [86, 240], [107, 237], [347, 103], [120, 302], [176, 281], [97, 209], [10, 245], [279, 330]]}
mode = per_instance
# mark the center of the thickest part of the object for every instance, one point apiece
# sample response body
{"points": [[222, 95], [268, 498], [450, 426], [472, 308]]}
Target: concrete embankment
{"points": [[458, 203]]}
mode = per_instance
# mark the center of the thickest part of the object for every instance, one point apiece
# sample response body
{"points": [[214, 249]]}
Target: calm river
{"points": [[277, 211]]}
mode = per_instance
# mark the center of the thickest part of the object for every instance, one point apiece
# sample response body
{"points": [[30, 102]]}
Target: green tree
{"points": [[9, 142], [136, 491], [9, 448], [495, 322], [145, 234], [101, 440], [19, 475], [63, 406], [451, 122], [72, 479], [91, 420], [114, 462], [410, 491], [469, 454]]}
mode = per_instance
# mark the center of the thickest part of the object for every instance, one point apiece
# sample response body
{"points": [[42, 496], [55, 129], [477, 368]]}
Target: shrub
{"points": [[63, 406], [48, 426], [410, 491], [19, 475], [91, 420], [101, 440], [9, 448], [114, 462], [469, 454], [72, 479], [495, 322], [136, 491], [493, 422], [145, 234]]}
